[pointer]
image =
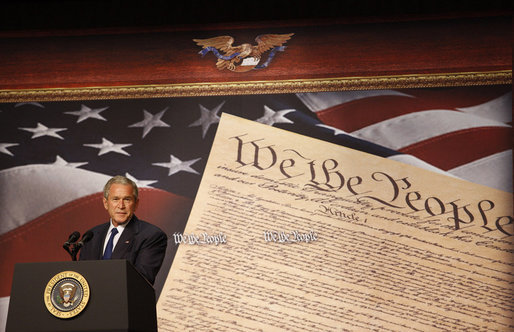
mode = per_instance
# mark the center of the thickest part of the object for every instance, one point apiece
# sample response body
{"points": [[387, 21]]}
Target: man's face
{"points": [[120, 203]]}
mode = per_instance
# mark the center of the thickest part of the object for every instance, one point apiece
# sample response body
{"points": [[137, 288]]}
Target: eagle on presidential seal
{"points": [[246, 56]]}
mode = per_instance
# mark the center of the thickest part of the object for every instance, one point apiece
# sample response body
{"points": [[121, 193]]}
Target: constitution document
{"points": [[289, 233]]}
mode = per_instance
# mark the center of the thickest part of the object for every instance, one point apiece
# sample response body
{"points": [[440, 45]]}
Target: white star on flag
{"points": [[42, 130], [4, 146], [140, 183], [207, 118], [150, 121], [176, 165], [271, 117], [107, 146], [59, 161], [86, 113]]}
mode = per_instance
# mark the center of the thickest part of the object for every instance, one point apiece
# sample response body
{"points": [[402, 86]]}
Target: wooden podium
{"points": [[116, 296]]}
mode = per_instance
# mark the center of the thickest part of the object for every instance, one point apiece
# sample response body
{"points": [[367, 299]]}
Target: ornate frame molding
{"points": [[258, 87]]}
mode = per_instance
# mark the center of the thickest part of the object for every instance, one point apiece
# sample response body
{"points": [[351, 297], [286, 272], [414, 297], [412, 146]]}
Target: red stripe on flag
{"points": [[453, 149], [41, 240], [451, 98], [364, 112]]}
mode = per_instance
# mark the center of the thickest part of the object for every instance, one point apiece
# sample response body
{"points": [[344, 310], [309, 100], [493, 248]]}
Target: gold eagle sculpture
{"points": [[233, 55]]}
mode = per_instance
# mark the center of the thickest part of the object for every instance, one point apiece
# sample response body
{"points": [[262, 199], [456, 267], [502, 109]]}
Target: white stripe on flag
{"points": [[493, 171], [493, 109], [28, 192], [319, 101], [4, 307], [402, 131]]}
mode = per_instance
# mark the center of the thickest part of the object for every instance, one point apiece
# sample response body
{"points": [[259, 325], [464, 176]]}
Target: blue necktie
{"points": [[108, 248]]}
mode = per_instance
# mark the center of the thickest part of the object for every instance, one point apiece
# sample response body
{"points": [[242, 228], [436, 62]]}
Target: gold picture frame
{"points": [[258, 87]]}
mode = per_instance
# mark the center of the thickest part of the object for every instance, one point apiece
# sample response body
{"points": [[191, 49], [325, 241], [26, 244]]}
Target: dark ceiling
{"points": [[79, 14]]}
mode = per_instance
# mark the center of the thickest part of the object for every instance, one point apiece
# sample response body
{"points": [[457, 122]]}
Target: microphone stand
{"points": [[75, 251], [72, 239], [66, 247], [76, 246]]}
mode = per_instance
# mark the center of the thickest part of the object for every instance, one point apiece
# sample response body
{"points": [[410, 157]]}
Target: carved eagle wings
{"points": [[234, 54]]}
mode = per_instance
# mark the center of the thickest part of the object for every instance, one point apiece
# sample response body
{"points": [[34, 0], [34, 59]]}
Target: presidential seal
{"points": [[66, 294]]}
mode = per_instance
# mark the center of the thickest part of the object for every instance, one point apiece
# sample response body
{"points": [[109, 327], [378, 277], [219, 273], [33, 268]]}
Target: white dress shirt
{"points": [[120, 229]]}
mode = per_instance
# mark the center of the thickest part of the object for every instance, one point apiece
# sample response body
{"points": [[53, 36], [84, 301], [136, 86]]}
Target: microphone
{"points": [[71, 239], [85, 238]]}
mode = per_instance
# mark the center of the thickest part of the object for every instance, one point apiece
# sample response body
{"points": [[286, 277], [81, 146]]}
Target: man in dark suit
{"points": [[125, 236]]}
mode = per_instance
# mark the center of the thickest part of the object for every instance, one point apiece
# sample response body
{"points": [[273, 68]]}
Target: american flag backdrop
{"points": [[55, 157]]}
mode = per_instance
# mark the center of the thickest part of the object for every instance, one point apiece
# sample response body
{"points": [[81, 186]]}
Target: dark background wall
{"points": [[78, 14]]}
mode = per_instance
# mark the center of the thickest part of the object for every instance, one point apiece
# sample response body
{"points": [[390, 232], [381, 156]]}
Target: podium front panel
{"points": [[120, 299]]}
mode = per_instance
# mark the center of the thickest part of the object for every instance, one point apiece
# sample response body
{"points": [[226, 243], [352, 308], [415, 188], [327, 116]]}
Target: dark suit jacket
{"points": [[141, 243]]}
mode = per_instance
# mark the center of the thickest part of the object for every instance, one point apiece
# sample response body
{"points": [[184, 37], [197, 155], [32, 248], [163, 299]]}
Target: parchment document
{"points": [[289, 233]]}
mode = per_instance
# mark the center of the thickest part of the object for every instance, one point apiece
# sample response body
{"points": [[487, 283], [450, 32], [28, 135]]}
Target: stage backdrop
{"points": [[56, 156]]}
